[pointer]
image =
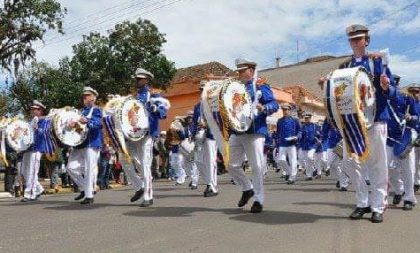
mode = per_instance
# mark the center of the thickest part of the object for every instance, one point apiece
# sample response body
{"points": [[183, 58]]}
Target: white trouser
{"points": [[300, 158], [82, 167], [30, 168], [289, 153], [206, 159], [321, 161], [377, 166], [308, 161], [253, 146], [417, 166], [141, 154], [177, 161], [335, 163], [191, 167], [402, 169]]}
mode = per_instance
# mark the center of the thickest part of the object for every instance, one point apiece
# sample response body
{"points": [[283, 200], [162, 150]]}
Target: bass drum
{"points": [[19, 135], [69, 135], [350, 103], [130, 117], [236, 103]]}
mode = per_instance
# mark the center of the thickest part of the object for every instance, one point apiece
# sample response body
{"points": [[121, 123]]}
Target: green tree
{"points": [[52, 86], [23, 22], [107, 63]]}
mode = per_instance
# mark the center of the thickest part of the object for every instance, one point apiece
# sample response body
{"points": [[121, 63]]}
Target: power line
{"points": [[81, 20], [115, 14]]}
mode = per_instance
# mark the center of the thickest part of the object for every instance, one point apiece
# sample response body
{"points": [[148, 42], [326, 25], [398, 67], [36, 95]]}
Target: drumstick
{"points": [[405, 122]]}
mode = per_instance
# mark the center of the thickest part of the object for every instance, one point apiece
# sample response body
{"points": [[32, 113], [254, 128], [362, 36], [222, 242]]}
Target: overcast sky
{"points": [[200, 31]]}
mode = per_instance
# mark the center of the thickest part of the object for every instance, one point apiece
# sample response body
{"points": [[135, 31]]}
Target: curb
{"points": [[5, 195]]}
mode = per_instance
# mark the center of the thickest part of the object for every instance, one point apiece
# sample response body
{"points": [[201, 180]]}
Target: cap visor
{"points": [[356, 36]]}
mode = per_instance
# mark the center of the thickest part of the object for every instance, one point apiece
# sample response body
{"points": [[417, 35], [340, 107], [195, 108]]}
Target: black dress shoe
{"points": [[408, 206], [397, 199], [359, 212], [337, 184], [193, 187], [190, 184], [137, 195], [367, 182], [308, 179], [327, 173], [87, 201], [286, 178], [210, 194], [314, 174], [343, 189], [416, 187], [256, 207], [80, 196], [377, 217], [291, 182], [246, 195], [146, 203]]}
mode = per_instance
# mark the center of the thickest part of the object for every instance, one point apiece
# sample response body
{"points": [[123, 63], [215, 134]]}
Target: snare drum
{"points": [[406, 143]]}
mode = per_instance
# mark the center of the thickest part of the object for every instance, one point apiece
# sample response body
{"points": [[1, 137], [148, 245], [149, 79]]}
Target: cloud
{"points": [[407, 68], [200, 31]]}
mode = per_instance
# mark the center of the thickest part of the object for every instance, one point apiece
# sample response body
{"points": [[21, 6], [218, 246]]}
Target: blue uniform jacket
{"points": [[41, 136], [265, 97], [144, 95], [196, 117], [414, 111], [95, 137], [310, 133], [286, 127], [382, 112], [399, 107], [330, 135]]}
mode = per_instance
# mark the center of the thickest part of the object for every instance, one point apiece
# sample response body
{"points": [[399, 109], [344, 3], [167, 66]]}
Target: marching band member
{"points": [[207, 154], [251, 143], [359, 39], [321, 159], [177, 133], [31, 158], [141, 151], [189, 157], [308, 141], [83, 160], [333, 160], [413, 118], [288, 132]]}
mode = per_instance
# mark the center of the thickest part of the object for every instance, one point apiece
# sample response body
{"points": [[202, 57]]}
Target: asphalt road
{"points": [[307, 217]]}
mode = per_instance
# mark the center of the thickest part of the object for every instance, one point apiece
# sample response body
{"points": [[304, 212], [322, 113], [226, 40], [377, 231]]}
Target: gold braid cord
{"points": [[225, 128]]}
